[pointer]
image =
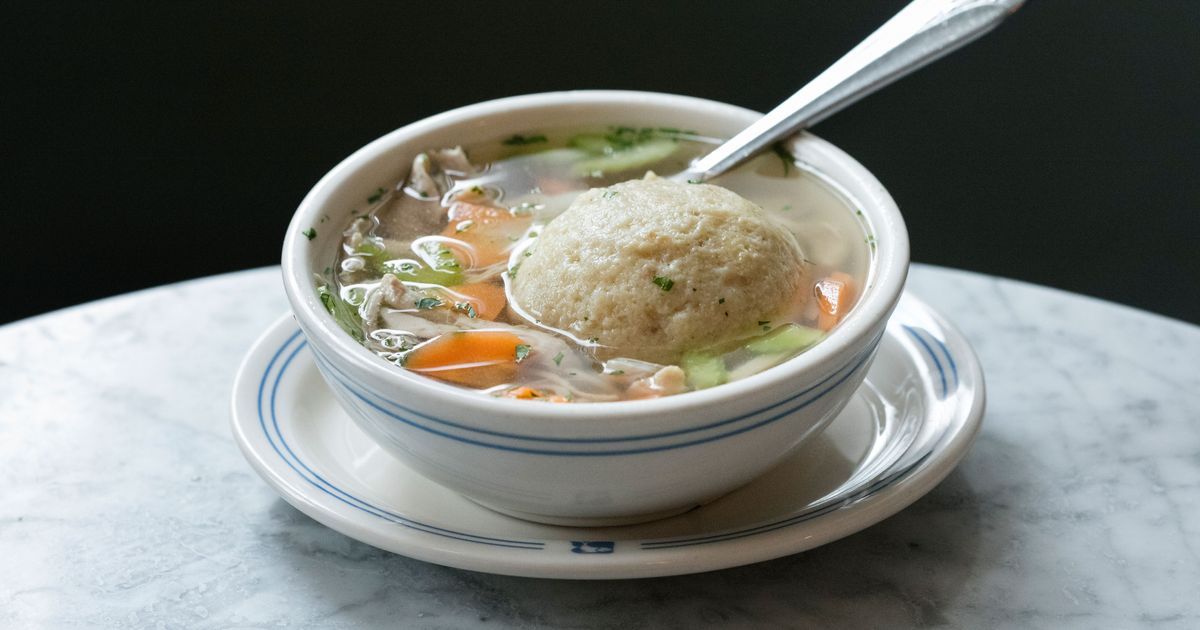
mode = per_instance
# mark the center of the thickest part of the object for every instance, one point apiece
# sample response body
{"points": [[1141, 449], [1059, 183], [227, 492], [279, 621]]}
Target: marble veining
{"points": [[124, 502]]}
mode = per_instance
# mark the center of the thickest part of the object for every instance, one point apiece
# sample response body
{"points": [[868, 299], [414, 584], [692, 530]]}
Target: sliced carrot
{"points": [[835, 298], [487, 231], [463, 211], [525, 392], [476, 358], [487, 298]]}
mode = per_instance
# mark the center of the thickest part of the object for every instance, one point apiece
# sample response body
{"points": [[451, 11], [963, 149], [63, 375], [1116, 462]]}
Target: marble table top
{"points": [[124, 502]]}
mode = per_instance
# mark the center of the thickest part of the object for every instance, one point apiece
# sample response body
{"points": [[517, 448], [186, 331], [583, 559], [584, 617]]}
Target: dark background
{"points": [[150, 142]]}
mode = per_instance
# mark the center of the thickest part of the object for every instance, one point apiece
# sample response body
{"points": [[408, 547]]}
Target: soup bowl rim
{"points": [[856, 334]]}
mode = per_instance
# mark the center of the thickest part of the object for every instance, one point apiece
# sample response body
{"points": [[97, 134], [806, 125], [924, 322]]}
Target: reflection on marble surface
{"points": [[124, 503]]}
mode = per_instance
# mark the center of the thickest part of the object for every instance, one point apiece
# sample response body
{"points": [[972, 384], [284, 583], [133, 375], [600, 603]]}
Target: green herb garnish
{"points": [[310, 233], [522, 351], [518, 140], [466, 307], [664, 283], [377, 196], [558, 358], [427, 303]]}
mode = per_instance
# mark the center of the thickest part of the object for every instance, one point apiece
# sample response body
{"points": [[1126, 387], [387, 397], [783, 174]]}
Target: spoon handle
{"points": [[920, 33]]}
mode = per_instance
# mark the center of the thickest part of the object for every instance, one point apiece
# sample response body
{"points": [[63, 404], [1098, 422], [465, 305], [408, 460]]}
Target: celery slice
{"points": [[704, 370], [785, 339], [633, 157]]}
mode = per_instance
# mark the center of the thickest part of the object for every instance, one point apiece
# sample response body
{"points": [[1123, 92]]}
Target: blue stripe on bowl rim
{"points": [[341, 381], [410, 416], [317, 481]]}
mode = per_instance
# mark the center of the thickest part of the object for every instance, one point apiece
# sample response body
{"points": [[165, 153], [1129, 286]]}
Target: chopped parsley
{"points": [[695, 181], [377, 196], [310, 233], [620, 138], [721, 301], [512, 271], [609, 194], [443, 259], [616, 372], [664, 282], [522, 351], [466, 307], [518, 140], [558, 358], [427, 303]]}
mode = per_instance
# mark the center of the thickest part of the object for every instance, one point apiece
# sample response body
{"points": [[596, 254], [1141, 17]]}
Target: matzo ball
{"points": [[653, 268]]}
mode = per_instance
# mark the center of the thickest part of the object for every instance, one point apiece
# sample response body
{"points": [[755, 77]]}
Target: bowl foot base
{"points": [[586, 521]]}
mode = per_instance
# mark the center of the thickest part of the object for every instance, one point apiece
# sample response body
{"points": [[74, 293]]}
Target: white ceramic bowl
{"points": [[594, 463]]}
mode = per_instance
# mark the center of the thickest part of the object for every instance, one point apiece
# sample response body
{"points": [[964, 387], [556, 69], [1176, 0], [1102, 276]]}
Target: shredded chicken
{"points": [[668, 381], [392, 291], [427, 177], [422, 180], [453, 160]]}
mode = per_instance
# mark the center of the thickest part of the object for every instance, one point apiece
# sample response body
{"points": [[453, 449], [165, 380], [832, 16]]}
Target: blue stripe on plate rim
{"points": [[406, 414], [324, 485], [831, 504], [916, 333]]}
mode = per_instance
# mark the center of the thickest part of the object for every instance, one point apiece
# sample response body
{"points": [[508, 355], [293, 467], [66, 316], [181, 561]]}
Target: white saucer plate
{"points": [[905, 429]]}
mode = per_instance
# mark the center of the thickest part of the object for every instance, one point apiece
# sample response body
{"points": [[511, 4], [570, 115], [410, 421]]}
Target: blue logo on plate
{"points": [[592, 546]]}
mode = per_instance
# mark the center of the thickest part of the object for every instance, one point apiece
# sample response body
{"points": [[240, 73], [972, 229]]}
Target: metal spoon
{"points": [[921, 32]]}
